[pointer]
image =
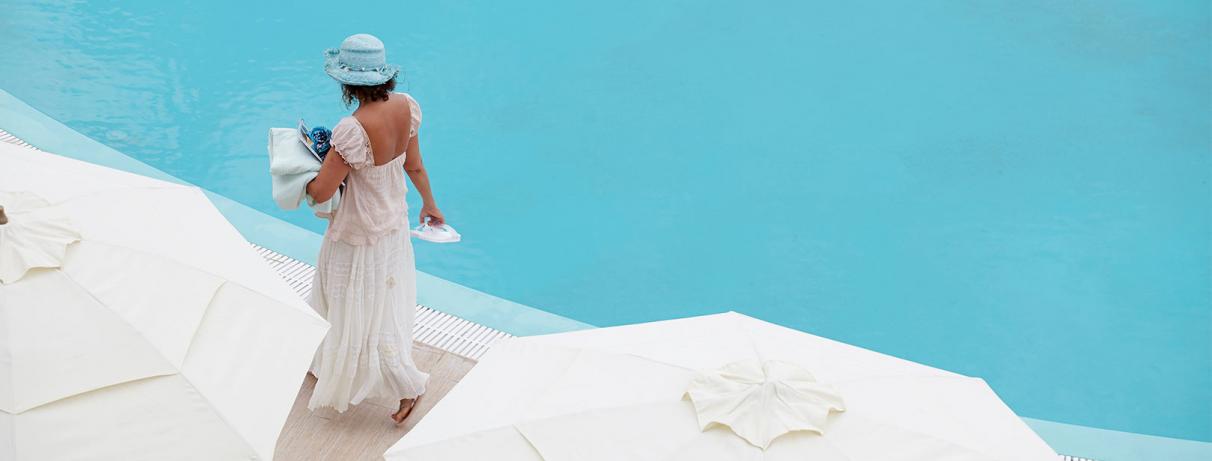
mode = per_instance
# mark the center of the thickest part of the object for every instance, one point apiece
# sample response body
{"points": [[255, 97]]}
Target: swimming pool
{"points": [[1017, 191]]}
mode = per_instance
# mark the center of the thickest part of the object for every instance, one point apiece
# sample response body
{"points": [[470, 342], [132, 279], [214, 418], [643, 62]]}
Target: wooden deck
{"points": [[364, 432]]}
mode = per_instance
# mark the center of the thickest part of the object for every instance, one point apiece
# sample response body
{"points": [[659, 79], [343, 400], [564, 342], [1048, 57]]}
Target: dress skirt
{"points": [[368, 293]]}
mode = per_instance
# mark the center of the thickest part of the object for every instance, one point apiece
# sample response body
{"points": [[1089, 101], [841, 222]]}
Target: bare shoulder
{"points": [[403, 101], [380, 112]]}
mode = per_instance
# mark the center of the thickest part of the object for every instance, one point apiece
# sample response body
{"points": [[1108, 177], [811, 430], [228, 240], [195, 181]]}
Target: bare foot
{"points": [[406, 407]]}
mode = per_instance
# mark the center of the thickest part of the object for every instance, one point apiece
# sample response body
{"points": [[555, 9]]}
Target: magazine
{"points": [[317, 147]]}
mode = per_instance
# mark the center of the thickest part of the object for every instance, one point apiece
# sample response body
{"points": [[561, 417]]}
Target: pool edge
{"points": [[46, 133], [1111, 445]]}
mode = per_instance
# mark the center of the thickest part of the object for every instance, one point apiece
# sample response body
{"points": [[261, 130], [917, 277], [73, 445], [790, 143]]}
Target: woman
{"points": [[365, 281]]}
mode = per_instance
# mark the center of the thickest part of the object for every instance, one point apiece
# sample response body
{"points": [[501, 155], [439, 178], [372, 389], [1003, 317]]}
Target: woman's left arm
{"points": [[326, 182], [415, 167]]}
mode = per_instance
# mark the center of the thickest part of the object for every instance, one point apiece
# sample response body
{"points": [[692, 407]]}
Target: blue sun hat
{"points": [[360, 61]]}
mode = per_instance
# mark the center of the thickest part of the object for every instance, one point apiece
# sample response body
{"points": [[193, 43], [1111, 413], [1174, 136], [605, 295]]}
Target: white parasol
{"points": [[135, 322], [720, 387]]}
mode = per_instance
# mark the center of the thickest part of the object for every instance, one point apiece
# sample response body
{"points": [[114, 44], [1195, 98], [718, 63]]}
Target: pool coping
{"points": [[46, 133]]}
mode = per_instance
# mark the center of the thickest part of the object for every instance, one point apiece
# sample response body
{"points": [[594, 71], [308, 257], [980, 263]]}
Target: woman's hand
{"points": [[434, 215]]}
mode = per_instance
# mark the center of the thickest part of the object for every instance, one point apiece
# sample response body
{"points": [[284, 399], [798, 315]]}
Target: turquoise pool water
{"points": [[1015, 190]]}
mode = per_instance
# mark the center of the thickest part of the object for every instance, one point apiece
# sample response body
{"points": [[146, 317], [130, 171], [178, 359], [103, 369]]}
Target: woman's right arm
{"points": [[332, 173]]}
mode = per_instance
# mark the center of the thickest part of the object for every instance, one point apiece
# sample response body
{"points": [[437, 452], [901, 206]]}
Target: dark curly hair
{"points": [[365, 94]]}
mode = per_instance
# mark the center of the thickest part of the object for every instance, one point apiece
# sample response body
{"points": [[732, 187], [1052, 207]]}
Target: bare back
{"points": [[388, 125]]}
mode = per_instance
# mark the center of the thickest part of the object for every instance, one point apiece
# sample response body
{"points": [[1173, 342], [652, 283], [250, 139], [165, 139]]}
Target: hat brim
{"points": [[369, 77]]}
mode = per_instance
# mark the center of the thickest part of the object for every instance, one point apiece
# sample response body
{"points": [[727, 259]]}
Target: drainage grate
{"points": [[297, 274], [433, 328], [9, 138]]}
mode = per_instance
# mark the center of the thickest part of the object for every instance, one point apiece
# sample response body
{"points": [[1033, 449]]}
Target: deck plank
{"points": [[363, 432]]}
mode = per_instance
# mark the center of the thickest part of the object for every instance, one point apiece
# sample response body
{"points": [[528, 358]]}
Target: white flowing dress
{"points": [[365, 283]]}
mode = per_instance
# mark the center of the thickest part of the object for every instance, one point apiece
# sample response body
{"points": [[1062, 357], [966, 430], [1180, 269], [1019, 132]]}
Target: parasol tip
{"points": [[3, 217]]}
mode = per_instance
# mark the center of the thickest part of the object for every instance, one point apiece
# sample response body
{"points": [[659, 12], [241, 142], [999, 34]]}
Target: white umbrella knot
{"points": [[760, 401], [36, 235]]}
